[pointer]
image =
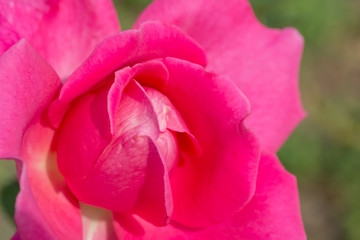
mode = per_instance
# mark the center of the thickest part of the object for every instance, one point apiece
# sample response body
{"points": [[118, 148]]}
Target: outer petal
{"points": [[29, 222], [263, 62], [152, 40], [211, 187], [273, 213], [45, 209], [63, 32], [27, 87]]}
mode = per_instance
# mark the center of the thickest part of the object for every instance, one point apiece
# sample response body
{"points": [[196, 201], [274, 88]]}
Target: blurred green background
{"points": [[324, 151]]}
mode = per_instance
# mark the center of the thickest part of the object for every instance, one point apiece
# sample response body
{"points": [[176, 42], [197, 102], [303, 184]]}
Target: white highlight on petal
{"points": [[95, 222]]}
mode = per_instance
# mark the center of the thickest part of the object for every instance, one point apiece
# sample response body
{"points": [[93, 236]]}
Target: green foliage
{"points": [[316, 20], [8, 197]]}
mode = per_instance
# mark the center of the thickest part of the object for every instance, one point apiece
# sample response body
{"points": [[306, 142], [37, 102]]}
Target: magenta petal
{"points": [[84, 134], [119, 177], [130, 173], [152, 40], [152, 73], [273, 90], [211, 187], [154, 203], [262, 62], [44, 208], [273, 213], [64, 32], [116, 179], [29, 220], [27, 86]]}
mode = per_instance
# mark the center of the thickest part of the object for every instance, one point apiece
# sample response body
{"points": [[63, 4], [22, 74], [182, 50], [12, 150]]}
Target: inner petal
{"points": [[168, 147]]}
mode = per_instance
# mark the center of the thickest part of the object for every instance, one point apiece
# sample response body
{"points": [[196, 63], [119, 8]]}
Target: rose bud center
{"points": [[112, 145]]}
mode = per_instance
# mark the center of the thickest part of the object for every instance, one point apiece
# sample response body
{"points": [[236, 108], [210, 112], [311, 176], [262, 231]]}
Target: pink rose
{"points": [[152, 136]]}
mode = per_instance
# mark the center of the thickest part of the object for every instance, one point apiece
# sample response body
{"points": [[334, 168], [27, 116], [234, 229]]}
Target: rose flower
{"points": [[165, 131]]}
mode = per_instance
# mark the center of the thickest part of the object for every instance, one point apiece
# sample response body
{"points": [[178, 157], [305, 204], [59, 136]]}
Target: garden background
{"points": [[324, 151]]}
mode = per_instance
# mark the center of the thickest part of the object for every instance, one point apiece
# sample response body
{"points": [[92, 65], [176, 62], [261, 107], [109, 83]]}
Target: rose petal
{"points": [[29, 220], [45, 209], [154, 203], [273, 213], [167, 114], [130, 174], [27, 85], [63, 32], [211, 187], [84, 134], [262, 62], [133, 112], [152, 40], [151, 73], [175, 135], [41, 177], [117, 177]]}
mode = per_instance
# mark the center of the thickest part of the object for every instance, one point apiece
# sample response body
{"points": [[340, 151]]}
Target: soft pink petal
{"points": [[152, 40], [134, 111], [27, 86], [262, 62], [44, 207], [273, 213], [175, 137], [167, 114], [29, 220], [44, 194], [211, 187], [64, 32], [168, 147]]}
